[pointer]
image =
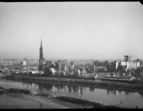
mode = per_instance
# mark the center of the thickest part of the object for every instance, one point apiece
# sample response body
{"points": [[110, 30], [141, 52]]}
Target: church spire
{"points": [[41, 42], [41, 57]]}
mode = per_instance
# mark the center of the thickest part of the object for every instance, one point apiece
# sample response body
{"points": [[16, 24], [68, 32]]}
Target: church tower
{"points": [[41, 57]]}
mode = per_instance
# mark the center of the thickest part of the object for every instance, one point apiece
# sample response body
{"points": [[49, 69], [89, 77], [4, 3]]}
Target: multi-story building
{"points": [[128, 64]]}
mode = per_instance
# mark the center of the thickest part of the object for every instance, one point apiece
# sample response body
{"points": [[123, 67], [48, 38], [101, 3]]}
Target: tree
{"points": [[95, 63], [47, 72], [56, 66], [105, 63]]}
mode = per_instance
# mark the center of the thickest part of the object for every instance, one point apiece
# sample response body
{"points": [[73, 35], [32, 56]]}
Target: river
{"points": [[111, 96]]}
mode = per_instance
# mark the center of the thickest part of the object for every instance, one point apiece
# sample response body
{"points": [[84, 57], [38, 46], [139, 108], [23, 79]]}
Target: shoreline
{"points": [[37, 102], [61, 101], [79, 85], [91, 83]]}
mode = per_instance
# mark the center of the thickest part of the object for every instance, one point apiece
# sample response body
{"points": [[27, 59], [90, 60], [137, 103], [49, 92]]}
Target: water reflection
{"points": [[141, 93], [119, 92], [70, 89], [63, 87], [111, 96], [46, 86], [111, 91], [81, 90], [78, 89], [91, 89], [74, 88], [127, 93]]}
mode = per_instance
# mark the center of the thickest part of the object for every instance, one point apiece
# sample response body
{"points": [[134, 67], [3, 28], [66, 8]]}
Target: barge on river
{"points": [[134, 81]]}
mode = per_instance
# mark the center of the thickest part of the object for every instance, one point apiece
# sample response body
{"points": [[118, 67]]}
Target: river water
{"points": [[111, 96]]}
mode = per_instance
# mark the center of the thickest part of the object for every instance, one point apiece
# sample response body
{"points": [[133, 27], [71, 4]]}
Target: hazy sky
{"points": [[71, 30]]}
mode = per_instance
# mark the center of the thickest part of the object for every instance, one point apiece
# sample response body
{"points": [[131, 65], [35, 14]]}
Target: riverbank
{"points": [[14, 98], [96, 83], [56, 100]]}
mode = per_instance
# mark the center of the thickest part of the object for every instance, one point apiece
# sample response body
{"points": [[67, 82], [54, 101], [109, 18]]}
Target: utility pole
{"points": [[27, 65], [94, 69], [59, 67]]}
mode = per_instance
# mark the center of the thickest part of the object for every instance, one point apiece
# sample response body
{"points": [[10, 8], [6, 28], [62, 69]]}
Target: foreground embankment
{"points": [[79, 101], [96, 83], [14, 98]]}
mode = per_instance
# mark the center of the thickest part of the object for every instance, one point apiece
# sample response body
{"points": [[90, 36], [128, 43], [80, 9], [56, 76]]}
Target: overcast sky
{"points": [[71, 30]]}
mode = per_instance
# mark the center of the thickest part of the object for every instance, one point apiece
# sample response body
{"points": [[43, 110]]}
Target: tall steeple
{"points": [[41, 57], [41, 42]]}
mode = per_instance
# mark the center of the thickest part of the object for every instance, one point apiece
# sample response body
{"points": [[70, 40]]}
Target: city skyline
{"points": [[71, 30]]}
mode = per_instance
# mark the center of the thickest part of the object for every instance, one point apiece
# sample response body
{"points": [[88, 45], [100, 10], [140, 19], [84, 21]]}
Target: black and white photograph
{"points": [[71, 55]]}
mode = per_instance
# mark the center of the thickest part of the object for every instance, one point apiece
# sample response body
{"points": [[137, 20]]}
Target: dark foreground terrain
{"points": [[23, 98]]}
